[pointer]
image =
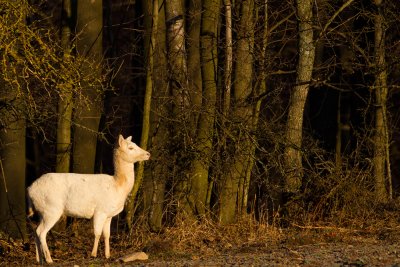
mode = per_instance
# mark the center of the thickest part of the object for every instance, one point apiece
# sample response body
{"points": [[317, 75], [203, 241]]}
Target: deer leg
{"points": [[44, 227], [106, 235], [98, 223], [39, 251]]}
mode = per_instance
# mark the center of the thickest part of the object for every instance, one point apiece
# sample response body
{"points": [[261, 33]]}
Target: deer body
{"points": [[97, 196], [74, 189]]}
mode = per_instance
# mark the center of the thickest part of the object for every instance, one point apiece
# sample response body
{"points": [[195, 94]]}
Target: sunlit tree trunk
{"points": [[260, 89], [204, 134], [223, 98], [12, 173], [13, 147], [193, 26], [236, 170], [181, 109], [176, 48], [381, 140], [65, 106], [228, 58], [294, 126], [87, 116], [157, 170], [151, 26], [193, 23], [65, 102]]}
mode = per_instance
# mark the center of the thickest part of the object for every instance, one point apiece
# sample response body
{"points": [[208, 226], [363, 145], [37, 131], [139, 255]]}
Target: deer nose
{"points": [[148, 154]]}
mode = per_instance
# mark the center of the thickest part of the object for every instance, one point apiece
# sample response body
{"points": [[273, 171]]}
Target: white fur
{"points": [[97, 196]]}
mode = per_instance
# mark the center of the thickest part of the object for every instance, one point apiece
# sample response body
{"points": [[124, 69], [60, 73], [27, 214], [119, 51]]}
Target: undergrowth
{"points": [[189, 239]]}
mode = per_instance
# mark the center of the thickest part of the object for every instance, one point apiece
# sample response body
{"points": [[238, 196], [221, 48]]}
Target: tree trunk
{"points": [[381, 141], [65, 106], [338, 146], [87, 116], [157, 170], [12, 170], [13, 138], [193, 23], [260, 89], [174, 12], [228, 58], [180, 138], [152, 28], [294, 125], [65, 103], [193, 59], [236, 170], [223, 99], [203, 145]]}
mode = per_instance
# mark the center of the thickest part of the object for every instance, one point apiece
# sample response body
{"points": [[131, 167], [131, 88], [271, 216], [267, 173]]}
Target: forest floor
{"points": [[247, 244]]}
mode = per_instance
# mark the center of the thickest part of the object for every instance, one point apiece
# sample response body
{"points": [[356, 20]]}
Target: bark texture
{"points": [[205, 127], [12, 170], [294, 126], [381, 151], [151, 26], [157, 171], [65, 103], [87, 117], [236, 169]]}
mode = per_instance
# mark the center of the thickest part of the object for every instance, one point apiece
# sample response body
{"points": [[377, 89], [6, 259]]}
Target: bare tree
{"points": [[179, 87], [13, 121], [158, 170], [65, 103], [240, 161], [152, 26], [383, 187], [205, 128], [294, 126], [12, 168], [87, 115]]}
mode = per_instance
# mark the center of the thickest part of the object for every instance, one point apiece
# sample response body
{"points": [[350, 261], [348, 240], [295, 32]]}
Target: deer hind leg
{"points": [[106, 235], [39, 251], [46, 223], [98, 224]]}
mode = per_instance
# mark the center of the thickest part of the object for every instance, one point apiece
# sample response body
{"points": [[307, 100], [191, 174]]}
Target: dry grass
{"points": [[188, 238], [193, 239]]}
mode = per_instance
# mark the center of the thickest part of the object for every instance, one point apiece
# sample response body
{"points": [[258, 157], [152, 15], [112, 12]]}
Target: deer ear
{"points": [[120, 140], [129, 139]]}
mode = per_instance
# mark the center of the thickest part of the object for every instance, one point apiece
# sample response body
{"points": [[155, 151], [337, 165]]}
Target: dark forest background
{"points": [[284, 110]]}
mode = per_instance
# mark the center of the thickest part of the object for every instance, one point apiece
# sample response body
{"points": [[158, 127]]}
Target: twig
{"points": [[334, 16], [4, 177]]}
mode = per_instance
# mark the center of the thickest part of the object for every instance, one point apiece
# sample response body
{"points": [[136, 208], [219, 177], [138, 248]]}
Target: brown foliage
{"points": [[33, 67]]}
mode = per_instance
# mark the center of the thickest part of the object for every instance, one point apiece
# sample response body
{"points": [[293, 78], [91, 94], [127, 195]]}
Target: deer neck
{"points": [[124, 174]]}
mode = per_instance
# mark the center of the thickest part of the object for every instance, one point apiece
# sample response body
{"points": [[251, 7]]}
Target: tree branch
{"points": [[334, 16]]}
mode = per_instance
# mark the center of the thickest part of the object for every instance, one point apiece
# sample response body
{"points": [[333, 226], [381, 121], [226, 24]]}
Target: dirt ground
{"points": [[363, 252], [300, 247]]}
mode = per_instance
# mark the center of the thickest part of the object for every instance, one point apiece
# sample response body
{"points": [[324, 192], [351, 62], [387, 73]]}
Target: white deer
{"points": [[97, 196]]}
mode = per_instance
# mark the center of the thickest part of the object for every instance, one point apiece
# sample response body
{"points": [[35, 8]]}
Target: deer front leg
{"points": [[106, 235], [98, 224]]}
